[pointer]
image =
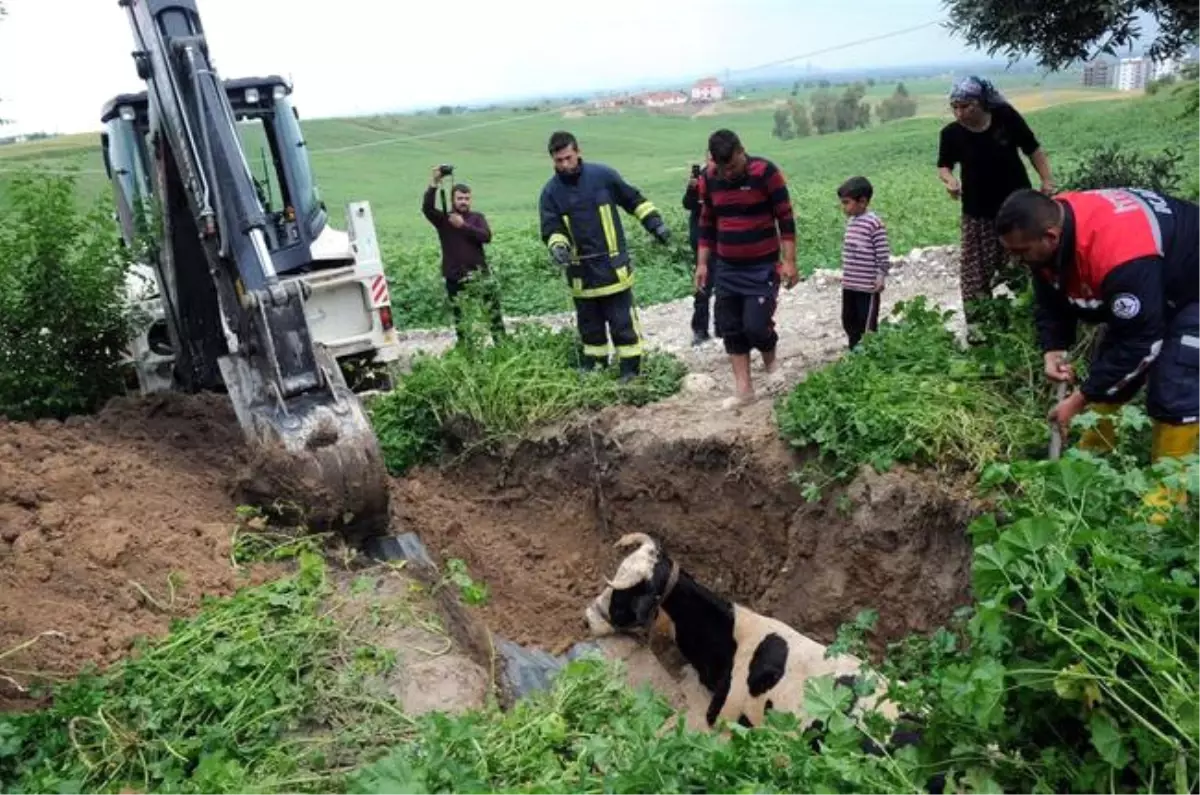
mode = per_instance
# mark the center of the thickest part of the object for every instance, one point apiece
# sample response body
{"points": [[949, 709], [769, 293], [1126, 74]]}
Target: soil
{"points": [[539, 529], [110, 526]]}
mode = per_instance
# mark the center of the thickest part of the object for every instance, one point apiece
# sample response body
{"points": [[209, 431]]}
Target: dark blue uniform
{"points": [[1129, 258], [580, 211]]}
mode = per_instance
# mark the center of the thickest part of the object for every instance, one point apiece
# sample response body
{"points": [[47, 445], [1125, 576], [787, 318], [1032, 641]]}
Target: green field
{"points": [[501, 154]]}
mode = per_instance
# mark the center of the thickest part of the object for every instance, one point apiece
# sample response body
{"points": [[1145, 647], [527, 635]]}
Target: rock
{"points": [[698, 383]]}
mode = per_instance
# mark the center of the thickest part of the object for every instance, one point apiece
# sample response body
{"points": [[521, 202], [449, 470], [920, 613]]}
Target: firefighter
{"points": [[582, 229], [1128, 258]]}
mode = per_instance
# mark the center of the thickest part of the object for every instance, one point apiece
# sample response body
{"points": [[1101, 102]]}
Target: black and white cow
{"points": [[748, 662]]}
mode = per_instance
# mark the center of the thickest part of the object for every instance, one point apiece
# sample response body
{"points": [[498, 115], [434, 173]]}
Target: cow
{"points": [[749, 663]]}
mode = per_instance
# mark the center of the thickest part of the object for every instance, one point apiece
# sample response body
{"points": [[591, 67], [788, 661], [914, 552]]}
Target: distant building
{"points": [[1098, 73], [1130, 74], [662, 99], [708, 90]]}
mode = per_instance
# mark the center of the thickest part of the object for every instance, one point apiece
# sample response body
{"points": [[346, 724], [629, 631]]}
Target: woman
{"points": [[986, 139]]}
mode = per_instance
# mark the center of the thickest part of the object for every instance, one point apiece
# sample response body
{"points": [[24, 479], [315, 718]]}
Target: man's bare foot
{"points": [[738, 401]]}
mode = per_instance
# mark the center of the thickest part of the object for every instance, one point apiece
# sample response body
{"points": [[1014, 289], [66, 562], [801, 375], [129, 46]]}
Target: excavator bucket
{"points": [[315, 455]]}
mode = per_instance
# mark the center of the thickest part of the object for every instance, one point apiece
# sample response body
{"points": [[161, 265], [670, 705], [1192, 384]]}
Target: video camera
{"points": [[695, 170], [445, 169]]}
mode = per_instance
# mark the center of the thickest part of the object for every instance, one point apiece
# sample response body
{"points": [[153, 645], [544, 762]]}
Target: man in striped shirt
{"points": [[865, 260], [745, 221]]}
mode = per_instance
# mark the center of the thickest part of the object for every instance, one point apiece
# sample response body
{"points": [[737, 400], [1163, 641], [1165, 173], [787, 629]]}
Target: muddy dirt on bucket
{"points": [[110, 526], [538, 527]]}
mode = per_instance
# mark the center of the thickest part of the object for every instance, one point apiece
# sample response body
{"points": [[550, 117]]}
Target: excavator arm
{"points": [[232, 320]]}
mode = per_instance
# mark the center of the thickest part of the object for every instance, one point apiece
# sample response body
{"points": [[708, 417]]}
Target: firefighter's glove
{"points": [[661, 232], [561, 254]]}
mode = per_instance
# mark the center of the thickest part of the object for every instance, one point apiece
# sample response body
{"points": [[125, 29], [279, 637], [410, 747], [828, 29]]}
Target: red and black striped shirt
{"points": [[745, 220]]}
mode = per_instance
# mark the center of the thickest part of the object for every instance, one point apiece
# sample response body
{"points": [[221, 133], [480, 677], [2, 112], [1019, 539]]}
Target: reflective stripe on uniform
{"points": [[567, 224], [624, 282], [629, 351], [557, 239], [1141, 367], [642, 210], [596, 350], [1189, 341], [610, 229]]}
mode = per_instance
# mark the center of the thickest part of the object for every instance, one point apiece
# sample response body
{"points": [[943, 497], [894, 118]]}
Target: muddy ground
{"points": [[113, 525]]}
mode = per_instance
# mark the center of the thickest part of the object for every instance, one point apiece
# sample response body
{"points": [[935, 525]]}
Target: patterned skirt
{"points": [[982, 258]]}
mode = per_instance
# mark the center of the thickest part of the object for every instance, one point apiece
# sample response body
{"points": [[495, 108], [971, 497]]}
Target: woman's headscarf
{"points": [[979, 89]]}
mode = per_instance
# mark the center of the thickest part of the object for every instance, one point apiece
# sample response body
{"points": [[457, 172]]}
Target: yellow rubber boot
{"points": [[1102, 438], [1168, 440]]}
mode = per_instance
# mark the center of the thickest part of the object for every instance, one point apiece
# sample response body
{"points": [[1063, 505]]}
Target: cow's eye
{"points": [[622, 607]]}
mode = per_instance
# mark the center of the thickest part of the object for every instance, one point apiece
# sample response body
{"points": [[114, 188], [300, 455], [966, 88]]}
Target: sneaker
{"points": [[699, 338]]}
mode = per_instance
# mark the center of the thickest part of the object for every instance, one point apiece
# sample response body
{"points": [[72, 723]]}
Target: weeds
{"points": [[481, 395], [908, 394]]}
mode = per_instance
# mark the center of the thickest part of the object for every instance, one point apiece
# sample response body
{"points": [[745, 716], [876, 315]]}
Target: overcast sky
{"points": [[61, 59]]}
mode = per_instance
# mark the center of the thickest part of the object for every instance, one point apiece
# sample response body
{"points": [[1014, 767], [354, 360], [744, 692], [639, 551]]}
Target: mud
{"points": [[538, 528], [111, 526]]}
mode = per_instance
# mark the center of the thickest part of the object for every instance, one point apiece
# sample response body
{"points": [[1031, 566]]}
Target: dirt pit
{"points": [[538, 527]]}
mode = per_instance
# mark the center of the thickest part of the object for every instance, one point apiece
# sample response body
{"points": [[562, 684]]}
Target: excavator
{"points": [[227, 270]]}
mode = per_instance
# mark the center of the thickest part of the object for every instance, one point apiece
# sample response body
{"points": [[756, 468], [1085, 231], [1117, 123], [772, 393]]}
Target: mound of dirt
{"points": [[110, 526], [538, 527]]}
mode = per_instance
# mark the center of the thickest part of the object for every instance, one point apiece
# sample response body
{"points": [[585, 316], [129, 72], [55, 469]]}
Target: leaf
{"points": [[823, 698], [1028, 535], [978, 779], [1106, 738]]}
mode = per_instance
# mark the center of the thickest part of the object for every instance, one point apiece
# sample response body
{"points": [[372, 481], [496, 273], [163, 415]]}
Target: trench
{"points": [[537, 524]]}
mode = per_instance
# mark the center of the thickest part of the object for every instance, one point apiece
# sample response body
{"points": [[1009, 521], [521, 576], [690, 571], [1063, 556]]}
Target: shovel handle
{"points": [[1056, 441]]}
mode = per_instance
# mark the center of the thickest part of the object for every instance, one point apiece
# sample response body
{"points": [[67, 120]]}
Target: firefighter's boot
{"points": [[1169, 440]]}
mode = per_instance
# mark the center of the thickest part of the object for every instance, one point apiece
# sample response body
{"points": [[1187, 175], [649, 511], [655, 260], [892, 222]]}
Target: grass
{"points": [[476, 398], [501, 155]]}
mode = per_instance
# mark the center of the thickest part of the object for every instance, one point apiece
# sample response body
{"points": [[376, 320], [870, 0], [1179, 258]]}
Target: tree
{"points": [[824, 111], [800, 121], [1058, 34], [783, 125], [900, 105], [851, 112]]}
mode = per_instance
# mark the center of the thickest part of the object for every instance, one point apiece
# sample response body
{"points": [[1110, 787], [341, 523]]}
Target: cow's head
{"points": [[631, 599]]}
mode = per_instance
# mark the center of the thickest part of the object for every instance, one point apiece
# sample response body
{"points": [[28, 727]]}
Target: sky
{"points": [[60, 60]]}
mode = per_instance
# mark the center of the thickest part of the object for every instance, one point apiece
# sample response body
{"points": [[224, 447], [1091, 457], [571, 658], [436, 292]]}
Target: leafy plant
{"points": [[1116, 166], [908, 394], [63, 321], [473, 593]]}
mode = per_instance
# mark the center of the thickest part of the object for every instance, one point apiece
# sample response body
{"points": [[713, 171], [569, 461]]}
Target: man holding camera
{"points": [[582, 228], [462, 233], [703, 295]]}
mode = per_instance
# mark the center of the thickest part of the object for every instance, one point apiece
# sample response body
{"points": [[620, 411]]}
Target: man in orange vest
{"points": [[1126, 257]]}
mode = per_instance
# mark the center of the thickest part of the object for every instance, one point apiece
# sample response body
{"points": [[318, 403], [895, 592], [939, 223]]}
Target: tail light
{"points": [[385, 317]]}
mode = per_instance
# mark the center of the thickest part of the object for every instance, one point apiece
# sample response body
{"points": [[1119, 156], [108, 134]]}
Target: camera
{"points": [[695, 170], [445, 169]]}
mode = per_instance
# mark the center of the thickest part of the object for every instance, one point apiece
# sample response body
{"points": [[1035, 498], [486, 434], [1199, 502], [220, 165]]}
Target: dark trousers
{"points": [[746, 322], [610, 315], [489, 291], [1173, 380], [860, 314]]}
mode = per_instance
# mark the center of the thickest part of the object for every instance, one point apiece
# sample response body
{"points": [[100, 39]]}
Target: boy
{"points": [[865, 260]]}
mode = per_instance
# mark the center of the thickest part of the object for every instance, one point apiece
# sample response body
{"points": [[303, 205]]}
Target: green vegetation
{"points": [[480, 396], [908, 394], [62, 318]]}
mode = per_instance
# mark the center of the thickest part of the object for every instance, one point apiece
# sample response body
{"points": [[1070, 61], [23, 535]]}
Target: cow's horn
{"points": [[633, 539]]}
